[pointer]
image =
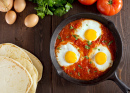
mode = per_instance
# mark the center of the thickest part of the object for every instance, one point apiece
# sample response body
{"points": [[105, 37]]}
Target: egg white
{"points": [[109, 61], [60, 54], [88, 24]]}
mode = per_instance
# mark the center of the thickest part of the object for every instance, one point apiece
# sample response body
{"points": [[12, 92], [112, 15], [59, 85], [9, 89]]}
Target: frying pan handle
{"points": [[121, 85]]}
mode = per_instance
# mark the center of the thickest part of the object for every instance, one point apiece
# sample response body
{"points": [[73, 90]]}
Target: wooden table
{"points": [[37, 41]]}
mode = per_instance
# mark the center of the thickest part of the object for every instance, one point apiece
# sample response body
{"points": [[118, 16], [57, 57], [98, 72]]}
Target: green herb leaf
{"points": [[110, 43], [68, 6], [104, 41], [98, 49], [90, 62], [58, 3], [74, 69], [87, 47], [71, 27], [74, 28], [78, 74], [88, 70], [62, 40], [86, 57], [50, 7], [76, 37], [59, 37], [95, 71], [42, 15], [60, 11], [86, 24], [58, 48], [95, 48], [67, 37], [49, 12], [79, 66], [100, 37], [89, 43], [70, 1]]}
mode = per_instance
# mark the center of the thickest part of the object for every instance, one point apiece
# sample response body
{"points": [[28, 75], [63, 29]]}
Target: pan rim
{"points": [[108, 24]]}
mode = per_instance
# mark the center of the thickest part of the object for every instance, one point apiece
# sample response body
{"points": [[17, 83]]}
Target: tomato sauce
{"points": [[84, 69]]}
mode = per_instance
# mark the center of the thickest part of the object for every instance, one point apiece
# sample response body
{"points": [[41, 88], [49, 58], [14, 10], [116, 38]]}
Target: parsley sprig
{"points": [[50, 7], [59, 37], [110, 43], [87, 47], [71, 27], [86, 57], [76, 37], [89, 43], [79, 66]]}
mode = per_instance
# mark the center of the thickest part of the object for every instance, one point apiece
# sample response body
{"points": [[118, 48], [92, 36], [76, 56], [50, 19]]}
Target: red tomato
{"points": [[87, 2], [109, 7]]}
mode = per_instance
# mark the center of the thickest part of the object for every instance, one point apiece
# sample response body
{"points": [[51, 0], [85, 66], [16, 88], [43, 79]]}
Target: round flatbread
{"points": [[13, 51], [16, 53], [36, 62], [14, 78]]}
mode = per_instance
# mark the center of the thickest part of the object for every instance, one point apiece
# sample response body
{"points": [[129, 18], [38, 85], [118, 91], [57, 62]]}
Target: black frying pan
{"points": [[111, 74]]}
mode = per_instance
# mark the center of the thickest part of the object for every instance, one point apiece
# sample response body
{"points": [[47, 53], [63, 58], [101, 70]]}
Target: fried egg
{"points": [[67, 54], [101, 57], [90, 30]]}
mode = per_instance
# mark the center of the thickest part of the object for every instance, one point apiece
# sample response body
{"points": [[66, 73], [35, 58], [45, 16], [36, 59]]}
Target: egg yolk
{"points": [[100, 58], [70, 57], [90, 34]]}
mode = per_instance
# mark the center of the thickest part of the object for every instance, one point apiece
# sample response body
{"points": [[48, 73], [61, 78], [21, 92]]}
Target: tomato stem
{"points": [[110, 2]]}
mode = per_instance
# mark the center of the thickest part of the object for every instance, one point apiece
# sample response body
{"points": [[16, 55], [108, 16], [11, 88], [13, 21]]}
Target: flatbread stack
{"points": [[20, 70]]}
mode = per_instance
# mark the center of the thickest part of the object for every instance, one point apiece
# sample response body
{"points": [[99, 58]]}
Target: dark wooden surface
{"points": [[37, 41]]}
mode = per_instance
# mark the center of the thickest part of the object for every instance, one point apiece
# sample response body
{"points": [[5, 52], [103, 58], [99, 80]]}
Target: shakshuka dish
{"points": [[85, 49]]}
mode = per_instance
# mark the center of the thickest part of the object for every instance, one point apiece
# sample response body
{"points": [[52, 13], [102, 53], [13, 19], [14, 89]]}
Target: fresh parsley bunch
{"points": [[50, 7]]}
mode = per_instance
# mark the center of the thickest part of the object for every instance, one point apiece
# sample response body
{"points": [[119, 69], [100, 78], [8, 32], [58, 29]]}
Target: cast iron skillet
{"points": [[111, 74]]}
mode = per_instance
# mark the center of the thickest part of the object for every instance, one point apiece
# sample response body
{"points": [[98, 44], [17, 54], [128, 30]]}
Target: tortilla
{"points": [[16, 53], [36, 62], [14, 78], [13, 51]]}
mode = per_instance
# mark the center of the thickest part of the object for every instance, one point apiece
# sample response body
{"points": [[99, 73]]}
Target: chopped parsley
{"points": [[67, 37], [98, 49], [104, 41], [78, 74], [74, 28], [90, 62], [79, 66], [70, 72], [89, 43], [76, 37], [59, 37], [86, 57], [58, 48], [87, 47], [95, 71], [71, 27], [100, 37], [74, 69], [86, 24], [62, 40], [78, 49], [95, 48], [110, 43], [88, 70]]}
